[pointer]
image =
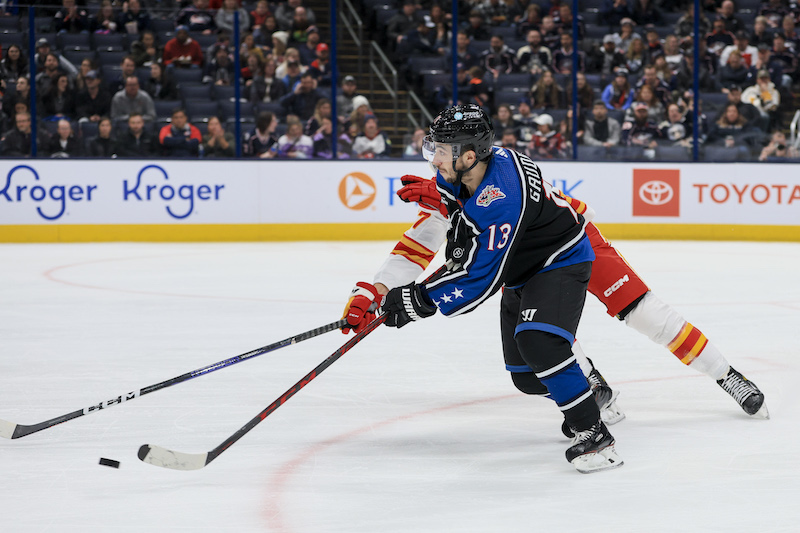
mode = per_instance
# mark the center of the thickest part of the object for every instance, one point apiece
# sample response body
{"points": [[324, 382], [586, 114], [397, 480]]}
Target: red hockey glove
{"points": [[360, 308], [423, 192]]}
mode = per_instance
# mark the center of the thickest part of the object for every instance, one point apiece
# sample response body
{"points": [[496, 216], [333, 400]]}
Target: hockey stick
{"points": [[158, 456], [11, 430]]}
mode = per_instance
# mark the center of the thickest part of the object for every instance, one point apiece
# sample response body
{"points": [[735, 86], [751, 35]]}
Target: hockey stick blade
{"points": [[158, 456], [10, 430]]}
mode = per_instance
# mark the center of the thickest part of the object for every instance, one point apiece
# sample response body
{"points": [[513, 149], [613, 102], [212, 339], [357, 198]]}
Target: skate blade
{"points": [[612, 414], [762, 413], [605, 459]]}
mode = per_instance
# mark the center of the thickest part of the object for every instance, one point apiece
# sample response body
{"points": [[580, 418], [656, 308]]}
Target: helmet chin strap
{"points": [[460, 173]]}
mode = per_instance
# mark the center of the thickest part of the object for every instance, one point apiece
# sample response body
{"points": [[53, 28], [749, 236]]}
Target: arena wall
{"points": [[168, 200]]}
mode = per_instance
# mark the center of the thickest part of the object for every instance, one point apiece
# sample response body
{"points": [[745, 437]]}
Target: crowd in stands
{"points": [[126, 79], [635, 73], [140, 78]]}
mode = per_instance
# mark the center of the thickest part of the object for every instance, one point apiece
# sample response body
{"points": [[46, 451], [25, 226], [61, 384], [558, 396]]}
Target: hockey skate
{"points": [[745, 392], [604, 396], [593, 450]]}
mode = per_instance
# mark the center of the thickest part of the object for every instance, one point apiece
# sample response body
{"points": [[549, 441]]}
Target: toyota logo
{"points": [[656, 192]]}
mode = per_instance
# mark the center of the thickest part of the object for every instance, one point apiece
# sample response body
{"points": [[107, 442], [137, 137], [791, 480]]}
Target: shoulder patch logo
{"points": [[489, 194]]}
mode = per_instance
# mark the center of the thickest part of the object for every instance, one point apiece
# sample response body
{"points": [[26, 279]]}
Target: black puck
{"points": [[109, 462]]}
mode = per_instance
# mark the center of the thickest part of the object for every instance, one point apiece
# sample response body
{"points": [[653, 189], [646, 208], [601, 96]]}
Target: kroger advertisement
{"points": [[79, 192]]}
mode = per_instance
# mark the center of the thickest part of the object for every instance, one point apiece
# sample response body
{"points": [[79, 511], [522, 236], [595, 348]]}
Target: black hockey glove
{"points": [[404, 304], [459, 240]]}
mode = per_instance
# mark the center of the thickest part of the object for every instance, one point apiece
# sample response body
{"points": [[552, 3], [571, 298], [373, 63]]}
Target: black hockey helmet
{"points": [[465, 127]]}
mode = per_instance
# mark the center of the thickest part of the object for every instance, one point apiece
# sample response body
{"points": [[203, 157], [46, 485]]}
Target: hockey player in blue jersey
{"points": [[505, 228]]}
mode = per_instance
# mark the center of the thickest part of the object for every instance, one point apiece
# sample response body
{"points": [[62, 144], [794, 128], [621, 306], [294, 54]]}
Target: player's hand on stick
{"points": [[405, 304], [422, 191], [360, 308]]}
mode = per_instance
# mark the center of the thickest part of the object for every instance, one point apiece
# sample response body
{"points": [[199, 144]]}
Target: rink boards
{"points": [[169, 200]]}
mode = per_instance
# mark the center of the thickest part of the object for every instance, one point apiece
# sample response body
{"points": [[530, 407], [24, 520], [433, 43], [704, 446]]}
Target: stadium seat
{"points": [[88, 130], [9, 37], [273, 107], [192, 75], [76, 57], [720, 153], [161, 25], [522, 81], [191, 91], [223, 92], [417, 64], [713, 101], [111, 42], [200, 111], [164, 108], [9, 23], [73, 41], [110, 58], [673, 153], [508, 33], [227, 109]]}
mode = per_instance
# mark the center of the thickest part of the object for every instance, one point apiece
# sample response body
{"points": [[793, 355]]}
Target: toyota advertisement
{"points": [[96, 196]]}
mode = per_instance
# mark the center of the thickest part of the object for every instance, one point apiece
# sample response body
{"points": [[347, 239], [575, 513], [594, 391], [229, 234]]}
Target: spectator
{"points": [[70, 18], [145, 51], [761, 33], [14, 64], [344, 98], [182, 51], [321, 110], [728, 16], [423, 40], [764, 97], [684, 80], [499, 58], [639, 130], [160, 85], [742, 44], [530, 20], [778, 148], [673, 56], [250, 48], [608, 59], [398, 27], [551, 37], [259, 142], [22, 96], [303, 99], [292, 55], [476, 28], [413, 148], [323, 141], [135, 141], [546, 94], [259, 15], [525, 120], [127, 69], [321, 67], [308, 49], [263, 33], [180, 139], [93, 102], [534, 57], [782, 61], [790, 33], [102, 145], [105, 21], [219, 70], [254, 68], [466, 55], [285, 12], [618, 94], [586, 94], [659, 86], [602, 130], [361, 109], [719, 37], [613, 12], [279, 40], [684, 28], [626, 35], [372, 142], [224, 17], [653, 47], [223, 39], [197, 17], [64, 144], [655, 109], [734, 71], [495, 12], [301, 26], [565, 23], [730, 129], [59, 100], [43, 50], [746, 110], [508, 139], [774, 12], [346, 140], [87, 65], [265, 86], [562, 58], [293, 144], [504, 119], [547, 143], [677, 128], [133, 19], [47, 77], [218, 143], [645, 12], [131, 100], [17, 142], [635, 56]]}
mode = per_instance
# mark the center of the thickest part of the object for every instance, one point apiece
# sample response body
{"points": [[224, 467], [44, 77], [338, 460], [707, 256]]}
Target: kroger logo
{"points": [[180, 200], [50, 201], [656, 192]]}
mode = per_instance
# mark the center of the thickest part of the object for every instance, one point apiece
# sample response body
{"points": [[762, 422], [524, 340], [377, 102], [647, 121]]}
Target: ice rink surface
{"points": [[413, 430]]}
